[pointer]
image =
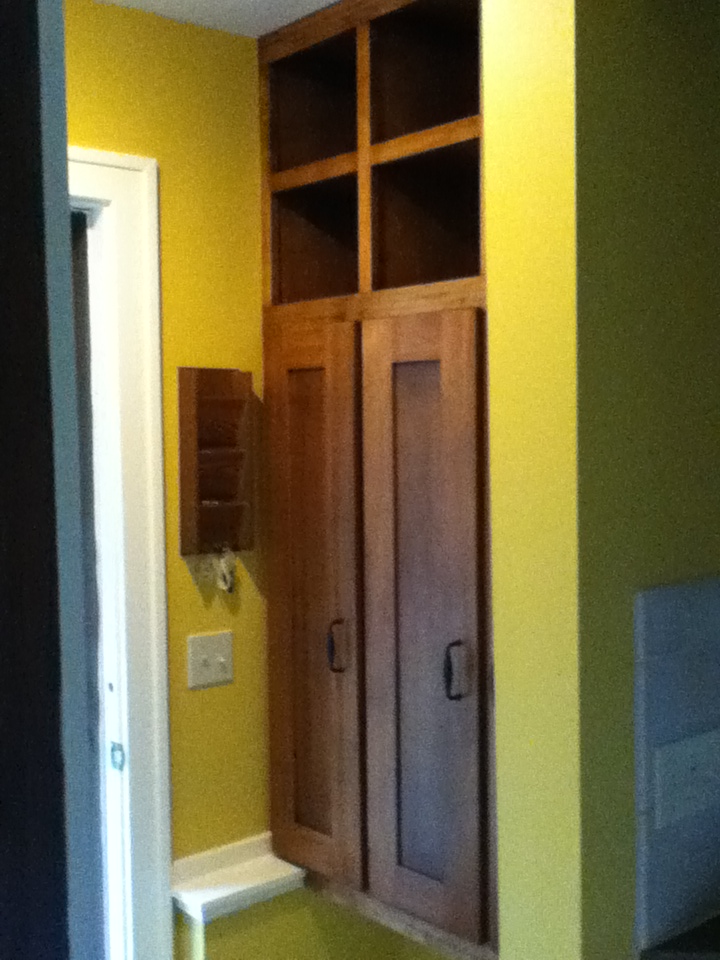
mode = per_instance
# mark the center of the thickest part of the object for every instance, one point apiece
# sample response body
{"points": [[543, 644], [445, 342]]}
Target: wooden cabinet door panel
{"points": [[421, 577], [310, 371]]}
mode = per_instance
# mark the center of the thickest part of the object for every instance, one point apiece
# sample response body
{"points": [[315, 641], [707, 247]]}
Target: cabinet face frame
{"points": [[447, 341], [366, 308], [330, 351]]}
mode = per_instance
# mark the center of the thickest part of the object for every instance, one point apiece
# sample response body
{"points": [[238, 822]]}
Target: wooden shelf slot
{"points": [[313, 107], [221, 476], [425, 67], [316, 241], [224, 526], [426, 215]]}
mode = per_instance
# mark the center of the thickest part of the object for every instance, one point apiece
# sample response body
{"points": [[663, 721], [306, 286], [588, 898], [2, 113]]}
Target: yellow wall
{"points": [[645, 484], [142, 85], [529, 123], [188, 97]]}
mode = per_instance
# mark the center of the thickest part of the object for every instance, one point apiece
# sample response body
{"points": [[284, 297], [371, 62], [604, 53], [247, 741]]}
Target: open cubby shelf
{"points": [[424, 67], [221, 475], [316, 240], [313, 103], [216, 460], [374, 153], [426, 217], [224, 525]]}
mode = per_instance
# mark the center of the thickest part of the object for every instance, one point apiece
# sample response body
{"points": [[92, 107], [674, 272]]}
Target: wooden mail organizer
{"points": [[217, 501]]}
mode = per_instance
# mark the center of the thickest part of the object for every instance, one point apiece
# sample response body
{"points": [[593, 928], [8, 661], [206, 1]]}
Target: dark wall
{"points": [[32, 838], [648, 156]]}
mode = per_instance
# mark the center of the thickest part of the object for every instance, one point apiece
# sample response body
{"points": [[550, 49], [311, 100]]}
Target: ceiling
{"points": [[249, 18]]}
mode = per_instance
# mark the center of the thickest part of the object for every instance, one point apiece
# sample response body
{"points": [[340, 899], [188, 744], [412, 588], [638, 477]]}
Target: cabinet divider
{"points": [[425, 298], [364, 172], [265, 189], [314, 172], [446, 135]]}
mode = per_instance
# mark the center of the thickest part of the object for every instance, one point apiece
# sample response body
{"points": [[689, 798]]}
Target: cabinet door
{"points": [[423, 656], [310, 371]]}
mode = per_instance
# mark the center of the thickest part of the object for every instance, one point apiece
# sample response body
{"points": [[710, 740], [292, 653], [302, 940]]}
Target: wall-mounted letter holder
{"points": [[217, 470]]}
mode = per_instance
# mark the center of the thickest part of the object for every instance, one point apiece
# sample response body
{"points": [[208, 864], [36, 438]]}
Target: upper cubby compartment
{"points": [[426, 217], [425, 63], [315, 241], [313, 103]]}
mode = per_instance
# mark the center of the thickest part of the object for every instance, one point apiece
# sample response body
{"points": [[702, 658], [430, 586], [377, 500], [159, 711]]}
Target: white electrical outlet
{"points": [[210, 660]]}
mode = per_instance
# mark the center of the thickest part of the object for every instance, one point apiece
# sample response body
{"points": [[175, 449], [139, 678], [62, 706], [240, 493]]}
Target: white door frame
{"points": [[119, 194]]}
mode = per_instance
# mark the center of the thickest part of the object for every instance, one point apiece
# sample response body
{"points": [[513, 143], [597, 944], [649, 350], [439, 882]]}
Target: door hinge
{"points": [[117, 756]]}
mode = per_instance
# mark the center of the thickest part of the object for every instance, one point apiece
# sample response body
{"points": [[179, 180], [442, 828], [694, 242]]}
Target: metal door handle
{"points": [[449, 671], [332, 647]]}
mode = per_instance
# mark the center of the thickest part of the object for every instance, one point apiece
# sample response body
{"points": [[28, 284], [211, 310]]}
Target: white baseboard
{"points": [[224, 880]]}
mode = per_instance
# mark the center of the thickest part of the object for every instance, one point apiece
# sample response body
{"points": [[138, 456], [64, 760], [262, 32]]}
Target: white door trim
{"points": [[120, 195]]}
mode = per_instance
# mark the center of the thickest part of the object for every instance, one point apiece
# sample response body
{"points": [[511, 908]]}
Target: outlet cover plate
{"points": [[210, 660]]}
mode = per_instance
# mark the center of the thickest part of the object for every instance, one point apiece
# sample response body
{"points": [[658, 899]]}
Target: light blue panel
{"points": [[687, 778], [677, 758]]}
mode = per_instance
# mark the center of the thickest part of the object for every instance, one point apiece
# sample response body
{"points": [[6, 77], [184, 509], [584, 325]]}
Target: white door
{"points": [[118, 196]]}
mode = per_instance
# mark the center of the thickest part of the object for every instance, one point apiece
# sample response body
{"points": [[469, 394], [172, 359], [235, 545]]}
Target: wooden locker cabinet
{"points": [[315, 655], [421, 617], [374, 304], [399, 732]]}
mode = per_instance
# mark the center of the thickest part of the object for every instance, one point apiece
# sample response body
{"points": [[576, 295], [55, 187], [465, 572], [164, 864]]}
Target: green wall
{"points": [[648, 176]]}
